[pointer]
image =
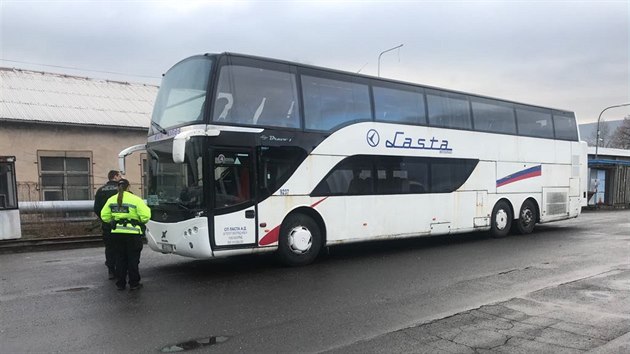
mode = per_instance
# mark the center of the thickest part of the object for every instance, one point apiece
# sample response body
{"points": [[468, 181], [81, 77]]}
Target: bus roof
{"points": [[369, 77]]}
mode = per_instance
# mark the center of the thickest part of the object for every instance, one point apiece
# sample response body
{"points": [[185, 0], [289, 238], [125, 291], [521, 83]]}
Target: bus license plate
{"points": [[167, 247]]}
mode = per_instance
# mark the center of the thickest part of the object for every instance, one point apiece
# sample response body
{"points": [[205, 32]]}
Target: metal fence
{"points": [[51, 219]]}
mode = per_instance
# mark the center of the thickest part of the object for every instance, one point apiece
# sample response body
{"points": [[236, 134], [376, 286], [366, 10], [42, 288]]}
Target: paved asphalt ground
{"points": [[586, 315], [563, 289], [591, 314]]}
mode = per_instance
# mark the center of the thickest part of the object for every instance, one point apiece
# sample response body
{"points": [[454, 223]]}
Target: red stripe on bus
{"points": [[273, 235], [317, 203]]}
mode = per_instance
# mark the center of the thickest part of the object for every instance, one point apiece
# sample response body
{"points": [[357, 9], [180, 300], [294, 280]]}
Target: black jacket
{"points": [[102, 194]]}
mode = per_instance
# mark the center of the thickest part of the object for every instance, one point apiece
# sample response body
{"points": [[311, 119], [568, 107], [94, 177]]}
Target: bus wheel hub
{"points": [[501, 219], [527, 217], [300, 240]]}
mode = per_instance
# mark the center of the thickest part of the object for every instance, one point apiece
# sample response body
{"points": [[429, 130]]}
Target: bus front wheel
{"points": [[501, 219], [526, 218], [300, 240]]}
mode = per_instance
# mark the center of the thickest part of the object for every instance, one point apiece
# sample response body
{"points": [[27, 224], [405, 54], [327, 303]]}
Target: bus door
{"points": [[9, 213], [234, 197]]}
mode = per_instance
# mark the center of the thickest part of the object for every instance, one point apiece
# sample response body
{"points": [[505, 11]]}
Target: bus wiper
{"points": [[159, 127]]}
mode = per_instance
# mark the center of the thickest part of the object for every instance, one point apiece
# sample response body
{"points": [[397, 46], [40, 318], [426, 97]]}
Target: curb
{"points": [[48, 244]]}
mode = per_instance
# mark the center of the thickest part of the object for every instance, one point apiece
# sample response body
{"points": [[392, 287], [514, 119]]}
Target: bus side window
{"points": [[448, 110], [535, 122], [257, 96], [329, 103], [565, 126], [493, 116], [402, 104]]}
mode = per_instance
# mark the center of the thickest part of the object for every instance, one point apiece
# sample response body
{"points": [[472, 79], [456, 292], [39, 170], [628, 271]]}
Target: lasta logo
{"points": [[373, 138], [402, 141]]}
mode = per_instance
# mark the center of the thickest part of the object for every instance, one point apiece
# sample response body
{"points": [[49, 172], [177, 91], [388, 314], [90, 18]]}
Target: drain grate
{"points": [[194, 344]]}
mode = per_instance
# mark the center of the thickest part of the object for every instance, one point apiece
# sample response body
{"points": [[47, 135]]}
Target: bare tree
{"points": [[621, 137]]}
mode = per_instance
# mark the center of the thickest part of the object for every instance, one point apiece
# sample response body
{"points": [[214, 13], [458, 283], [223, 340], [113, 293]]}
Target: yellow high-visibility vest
{"points": [[128, 216]]}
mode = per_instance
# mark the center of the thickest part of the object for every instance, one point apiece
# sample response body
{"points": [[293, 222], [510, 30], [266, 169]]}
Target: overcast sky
{"points": [[571, 55]]}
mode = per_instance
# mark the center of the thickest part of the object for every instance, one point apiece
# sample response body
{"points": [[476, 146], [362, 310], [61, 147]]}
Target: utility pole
{"points": [[383, 52], [599, 118]]}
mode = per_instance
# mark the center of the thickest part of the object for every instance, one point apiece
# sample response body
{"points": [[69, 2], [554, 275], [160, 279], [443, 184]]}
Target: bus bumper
{"points": [[189, 238]]}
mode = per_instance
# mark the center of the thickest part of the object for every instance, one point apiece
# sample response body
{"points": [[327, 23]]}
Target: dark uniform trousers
{"points": [[100, 199], [110, 257], [127, 249]]}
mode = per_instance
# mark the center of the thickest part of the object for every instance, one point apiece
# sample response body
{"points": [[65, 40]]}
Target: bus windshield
{"points": [[182, 95], [176, 184]]}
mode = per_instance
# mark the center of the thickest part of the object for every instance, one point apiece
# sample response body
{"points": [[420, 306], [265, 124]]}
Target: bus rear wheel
{"points": [[501, 219], [526, 218], [300, 240]]}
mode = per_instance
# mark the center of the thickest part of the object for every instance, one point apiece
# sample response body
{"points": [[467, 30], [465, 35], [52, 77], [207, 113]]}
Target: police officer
{"points": [[127, 215], [100, 198]]}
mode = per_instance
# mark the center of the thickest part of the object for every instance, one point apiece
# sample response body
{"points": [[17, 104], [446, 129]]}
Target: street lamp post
{"points": [[383, 52], [599, 118]]}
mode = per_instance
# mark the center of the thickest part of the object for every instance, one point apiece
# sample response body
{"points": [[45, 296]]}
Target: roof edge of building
{"points": [[43, 123], [79, 77]]}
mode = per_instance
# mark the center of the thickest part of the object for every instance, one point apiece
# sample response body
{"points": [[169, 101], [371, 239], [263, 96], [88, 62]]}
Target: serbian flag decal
{"points": [[520, 175]]}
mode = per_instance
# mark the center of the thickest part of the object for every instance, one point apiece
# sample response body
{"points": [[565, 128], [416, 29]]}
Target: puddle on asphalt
{"points": [[194, 344], [621, 284], [73, 289], [598, 294]]}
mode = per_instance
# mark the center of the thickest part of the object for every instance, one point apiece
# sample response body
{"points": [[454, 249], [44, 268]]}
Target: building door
{"points": [[9, 214]]}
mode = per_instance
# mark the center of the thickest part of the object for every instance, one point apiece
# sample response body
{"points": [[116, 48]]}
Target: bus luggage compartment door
{"points": [[235, 228]]}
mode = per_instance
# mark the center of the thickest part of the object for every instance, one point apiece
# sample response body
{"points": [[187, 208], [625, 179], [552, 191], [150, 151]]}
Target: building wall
{"points": [[102, 145]]}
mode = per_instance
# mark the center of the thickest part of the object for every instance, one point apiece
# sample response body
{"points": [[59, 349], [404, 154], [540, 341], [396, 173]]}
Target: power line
{"points": [[79, 69]]}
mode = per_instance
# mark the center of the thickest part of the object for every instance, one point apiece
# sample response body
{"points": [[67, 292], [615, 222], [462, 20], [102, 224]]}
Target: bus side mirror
{"points": [[179, 141], [128, 151]]}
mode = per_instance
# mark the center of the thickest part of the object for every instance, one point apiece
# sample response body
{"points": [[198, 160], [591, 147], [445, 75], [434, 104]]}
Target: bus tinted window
{"points": [[256, 96], [402, 175], [276, 165], [398, 105], [493, 116], [448, 110], [352, 176], [395, 175], [534, 122], [329, 103], [447, 175], [565, 126]]}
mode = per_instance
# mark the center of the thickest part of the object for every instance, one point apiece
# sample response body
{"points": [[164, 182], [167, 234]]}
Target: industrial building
{"points": [[66, 131], [609, 177]]}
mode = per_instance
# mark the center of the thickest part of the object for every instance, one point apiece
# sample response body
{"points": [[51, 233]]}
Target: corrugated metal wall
{"points": [[620, 191]]}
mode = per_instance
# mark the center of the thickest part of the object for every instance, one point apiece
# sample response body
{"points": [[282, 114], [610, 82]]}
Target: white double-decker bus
{"points": [[250, 154]]}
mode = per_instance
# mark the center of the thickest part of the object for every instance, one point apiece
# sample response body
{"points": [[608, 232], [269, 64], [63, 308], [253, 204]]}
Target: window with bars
{"points": [[64, 177]]}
